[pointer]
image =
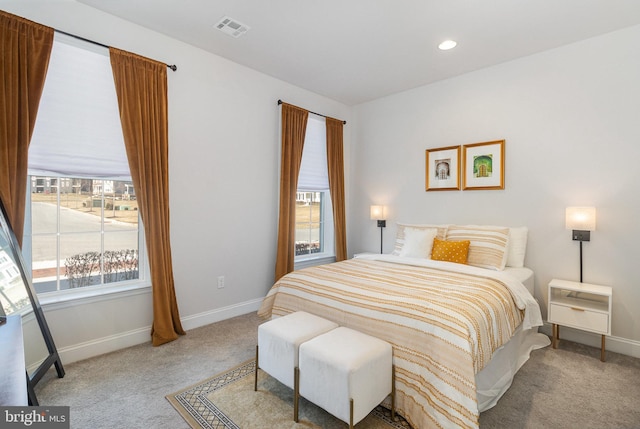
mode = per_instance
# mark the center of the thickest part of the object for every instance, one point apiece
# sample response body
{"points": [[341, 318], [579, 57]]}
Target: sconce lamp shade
{"points": [[581, 218], [377, 212]]}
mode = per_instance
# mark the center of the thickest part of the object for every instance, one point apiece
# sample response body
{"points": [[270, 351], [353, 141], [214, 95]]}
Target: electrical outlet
{"points": [[220, 282]]}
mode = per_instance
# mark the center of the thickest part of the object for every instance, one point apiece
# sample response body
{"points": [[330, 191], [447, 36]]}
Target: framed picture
{"points": [[443, 169], [483, 165]]}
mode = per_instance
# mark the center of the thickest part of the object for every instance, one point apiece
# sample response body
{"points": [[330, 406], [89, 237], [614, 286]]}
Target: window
{"points": [[314, 213], [309, 222], [82, 227], [83, 233]]}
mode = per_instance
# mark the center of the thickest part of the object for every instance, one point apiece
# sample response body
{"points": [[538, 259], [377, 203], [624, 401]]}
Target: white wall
{"points": [[224, 161], [570, 118]]}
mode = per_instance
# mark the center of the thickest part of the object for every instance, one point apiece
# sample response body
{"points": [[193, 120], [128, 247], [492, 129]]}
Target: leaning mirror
{"points": [[18, 297]]}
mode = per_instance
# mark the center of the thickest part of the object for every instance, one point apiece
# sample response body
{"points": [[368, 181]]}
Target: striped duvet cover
{"points": [[443, 320]]}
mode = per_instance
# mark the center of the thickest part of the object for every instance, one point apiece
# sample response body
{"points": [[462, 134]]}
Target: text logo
{"points": [[34, 417]]}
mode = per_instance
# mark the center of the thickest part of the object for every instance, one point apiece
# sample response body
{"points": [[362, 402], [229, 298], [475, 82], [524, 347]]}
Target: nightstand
{"points": [[582, 306]]}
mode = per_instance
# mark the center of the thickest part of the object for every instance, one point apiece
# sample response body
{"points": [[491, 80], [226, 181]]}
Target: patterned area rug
{"points": [[228, 400]]}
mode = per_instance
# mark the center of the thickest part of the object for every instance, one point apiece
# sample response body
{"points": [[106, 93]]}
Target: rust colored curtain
{"points": [[335, 166], [141, 86], [294, 127], [25, 48]]}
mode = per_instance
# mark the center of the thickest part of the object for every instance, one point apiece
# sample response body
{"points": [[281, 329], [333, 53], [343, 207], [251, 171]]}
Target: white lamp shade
{"points": [[377, 212], [581, 218]]}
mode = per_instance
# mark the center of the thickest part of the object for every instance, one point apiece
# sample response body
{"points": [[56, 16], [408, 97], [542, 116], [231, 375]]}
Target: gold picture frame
{"points": [[442, 169], [483, 165]]}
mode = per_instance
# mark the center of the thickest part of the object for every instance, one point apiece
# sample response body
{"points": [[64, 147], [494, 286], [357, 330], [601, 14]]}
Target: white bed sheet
{"points": [[524, 275], [496, 378]]}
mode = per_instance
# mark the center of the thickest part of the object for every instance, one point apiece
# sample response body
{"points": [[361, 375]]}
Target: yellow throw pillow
{"points": [[450, 251]]}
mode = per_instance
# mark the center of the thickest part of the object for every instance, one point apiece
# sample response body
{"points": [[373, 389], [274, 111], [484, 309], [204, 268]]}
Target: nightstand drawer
{"points": [[578, 318]]}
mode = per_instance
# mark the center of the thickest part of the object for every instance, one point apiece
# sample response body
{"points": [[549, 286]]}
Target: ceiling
{"points": [[354, 51]]}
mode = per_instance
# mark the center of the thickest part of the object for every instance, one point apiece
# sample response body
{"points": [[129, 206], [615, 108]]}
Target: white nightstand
{"points": [[580, 305]]}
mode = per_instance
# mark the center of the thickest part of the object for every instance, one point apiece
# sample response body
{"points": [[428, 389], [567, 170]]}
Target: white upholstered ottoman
{"points": [[279, 340], [346, 372]]}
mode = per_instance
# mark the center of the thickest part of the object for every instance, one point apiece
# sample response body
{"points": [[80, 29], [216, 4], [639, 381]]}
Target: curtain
{"points": [[335, 167], [25, 47], [294, 127], [141, 87]]}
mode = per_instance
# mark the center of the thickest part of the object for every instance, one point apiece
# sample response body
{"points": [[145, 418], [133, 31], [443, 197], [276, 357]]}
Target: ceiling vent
{"points": [[232, 27]]}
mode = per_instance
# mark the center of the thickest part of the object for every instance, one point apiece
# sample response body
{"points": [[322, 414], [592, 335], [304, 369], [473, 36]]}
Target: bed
{"points": [[459, 331]]}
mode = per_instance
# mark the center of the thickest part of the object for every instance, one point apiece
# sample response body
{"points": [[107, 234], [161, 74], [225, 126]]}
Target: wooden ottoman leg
{"points": [[255, 380], [296, 393], [351, 413], [393, 392]]}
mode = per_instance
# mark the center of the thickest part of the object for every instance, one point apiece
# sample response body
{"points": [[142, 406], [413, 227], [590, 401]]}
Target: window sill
{"points": [[70, 298], [312, 261]]}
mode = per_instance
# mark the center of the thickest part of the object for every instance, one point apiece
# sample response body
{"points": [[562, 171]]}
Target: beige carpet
{"points": [[228, 400]]}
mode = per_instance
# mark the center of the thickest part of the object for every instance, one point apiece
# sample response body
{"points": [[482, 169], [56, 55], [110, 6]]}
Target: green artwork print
{"points": [[482, 166]]}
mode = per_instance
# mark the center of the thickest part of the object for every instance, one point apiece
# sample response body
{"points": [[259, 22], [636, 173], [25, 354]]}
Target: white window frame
{"points": [[87, 292], [327, 235]]}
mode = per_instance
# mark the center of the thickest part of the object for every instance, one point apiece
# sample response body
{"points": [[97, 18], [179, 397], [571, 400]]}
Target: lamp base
{"points": [[381, 224], [581, 235]]}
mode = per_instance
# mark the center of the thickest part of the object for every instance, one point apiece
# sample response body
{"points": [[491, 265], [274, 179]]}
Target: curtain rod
{"points": [[324, 116], [172, 66]]}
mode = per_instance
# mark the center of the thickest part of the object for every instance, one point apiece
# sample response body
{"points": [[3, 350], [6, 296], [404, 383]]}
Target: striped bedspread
{"points": [[443, 320]]}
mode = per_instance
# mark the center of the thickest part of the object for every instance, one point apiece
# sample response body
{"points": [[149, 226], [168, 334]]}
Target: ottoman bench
{"points": [[345, 372], [279, 340]]}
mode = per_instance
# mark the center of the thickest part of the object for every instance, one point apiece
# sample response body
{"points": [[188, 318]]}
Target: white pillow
{"points": [[418, 242], [442, 231], [517, 246]]}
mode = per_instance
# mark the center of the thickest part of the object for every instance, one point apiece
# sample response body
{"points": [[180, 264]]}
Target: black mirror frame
{"points": [[53, 358]]}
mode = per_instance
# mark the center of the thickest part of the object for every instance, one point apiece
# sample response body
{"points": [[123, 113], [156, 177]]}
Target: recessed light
{"points": [[447, 44]]}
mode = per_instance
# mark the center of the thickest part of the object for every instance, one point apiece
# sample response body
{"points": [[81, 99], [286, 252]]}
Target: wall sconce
{"points": [[377, 213], [582, 220]]}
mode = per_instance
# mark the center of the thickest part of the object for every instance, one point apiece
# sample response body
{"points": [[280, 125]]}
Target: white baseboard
{"points": [[614, 344], [142, 335], [104, 345], [224, 313]]}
